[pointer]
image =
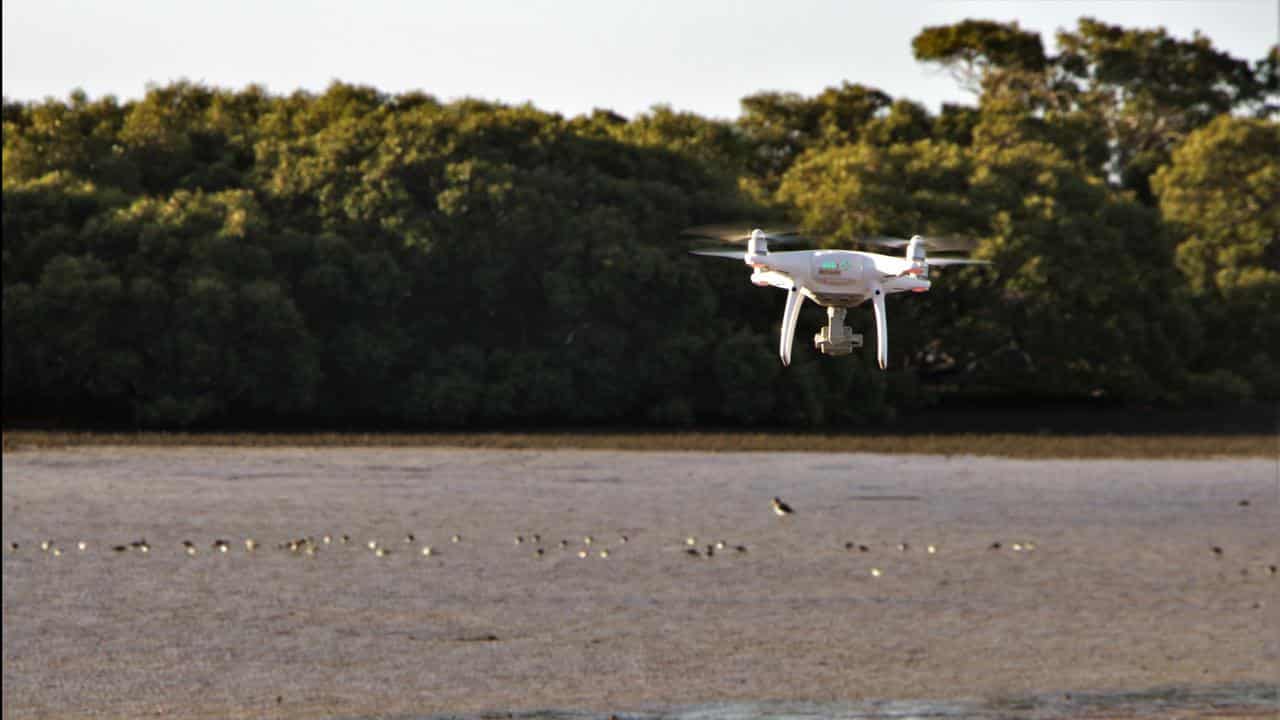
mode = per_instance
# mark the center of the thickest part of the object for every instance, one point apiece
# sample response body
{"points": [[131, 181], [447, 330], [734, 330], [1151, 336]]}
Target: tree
{"points": [[1220, 190], [780, 126], [973, 48], [1151, 89]]}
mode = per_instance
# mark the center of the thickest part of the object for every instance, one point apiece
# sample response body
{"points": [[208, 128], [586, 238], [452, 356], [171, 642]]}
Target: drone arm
{"points": [[882, 328], [789, 317]]}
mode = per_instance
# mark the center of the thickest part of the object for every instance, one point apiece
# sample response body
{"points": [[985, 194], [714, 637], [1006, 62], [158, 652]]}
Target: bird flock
{"points": [[589, 547]]}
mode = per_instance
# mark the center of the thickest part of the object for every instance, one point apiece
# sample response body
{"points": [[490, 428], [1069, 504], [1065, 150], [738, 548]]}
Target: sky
{"points": [[566, 56]]}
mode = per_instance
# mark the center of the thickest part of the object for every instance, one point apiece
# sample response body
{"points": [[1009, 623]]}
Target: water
{"points": [[1236, 701]]}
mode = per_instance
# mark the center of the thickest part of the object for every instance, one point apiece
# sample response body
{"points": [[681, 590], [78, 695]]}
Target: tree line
{"points": [[208, 256]]}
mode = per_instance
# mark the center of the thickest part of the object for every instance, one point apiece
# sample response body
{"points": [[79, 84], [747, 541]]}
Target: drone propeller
{"points": [[734, 254], [956, 261], [740, 233], [933, 243]]}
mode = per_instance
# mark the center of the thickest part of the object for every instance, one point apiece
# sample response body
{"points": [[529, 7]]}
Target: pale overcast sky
{"points": [[567, 56]]}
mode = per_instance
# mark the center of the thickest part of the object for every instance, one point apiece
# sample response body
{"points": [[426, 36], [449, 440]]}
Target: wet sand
{"points": [[1122, 592]]}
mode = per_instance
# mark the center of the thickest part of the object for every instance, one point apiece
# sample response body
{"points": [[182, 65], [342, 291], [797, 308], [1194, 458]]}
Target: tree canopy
{"points": [[210, 256]]}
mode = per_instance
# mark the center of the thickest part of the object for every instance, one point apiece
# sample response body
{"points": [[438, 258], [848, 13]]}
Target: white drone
{"points": [[835, 279]]}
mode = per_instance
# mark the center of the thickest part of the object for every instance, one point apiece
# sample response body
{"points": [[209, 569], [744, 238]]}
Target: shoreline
{"points": [[1038, 446]]}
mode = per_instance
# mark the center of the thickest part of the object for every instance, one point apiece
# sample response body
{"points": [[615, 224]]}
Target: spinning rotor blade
{"points": [[932, 243], [741, 233], [956, 261], [734, 254]]}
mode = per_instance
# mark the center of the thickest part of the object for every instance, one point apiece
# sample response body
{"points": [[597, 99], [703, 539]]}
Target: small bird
{"points": [[121, 548], [623, 539], [875, 572], [1217, 551], [537, 553], [409, 538], [326, 539], [382, 552], [456, 539], [691, 540], [693, 551], [373, 544], [1271, 569], [1243, 503], [13, 547], [428, 551], [45, 545], [564, 544], [711, 551], [220, 545], [346, 539], [537, 538], [582, 554], [994, 546], [588, 540], [190, 549], [931, 549], [82, 546], [57, 552], [519, 539], [720, 544], [904, 547], [1017, 547], [604, 553], [740, 548], [250, 545], [780, 508]]}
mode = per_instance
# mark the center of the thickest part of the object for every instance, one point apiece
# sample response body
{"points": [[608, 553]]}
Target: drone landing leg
{"points": [[882, 329], [789, 317]]}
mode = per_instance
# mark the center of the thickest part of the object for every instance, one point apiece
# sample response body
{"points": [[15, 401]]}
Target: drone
{"points": [[834, 279]]}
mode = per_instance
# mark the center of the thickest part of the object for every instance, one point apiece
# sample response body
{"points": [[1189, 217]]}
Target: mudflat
{"points": [[1105, 579]]}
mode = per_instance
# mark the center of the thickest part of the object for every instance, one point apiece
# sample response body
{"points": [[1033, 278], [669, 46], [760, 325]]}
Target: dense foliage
{"points": [[205, 256]]}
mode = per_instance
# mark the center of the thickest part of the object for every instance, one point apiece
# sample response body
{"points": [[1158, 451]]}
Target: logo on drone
{"points": [[833, 267]]}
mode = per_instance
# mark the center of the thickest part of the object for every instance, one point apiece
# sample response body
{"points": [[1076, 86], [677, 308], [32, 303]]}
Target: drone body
{"points": [[837, 280]]}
